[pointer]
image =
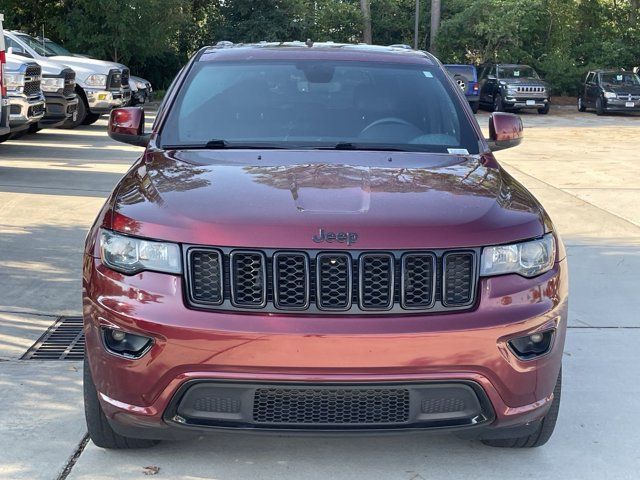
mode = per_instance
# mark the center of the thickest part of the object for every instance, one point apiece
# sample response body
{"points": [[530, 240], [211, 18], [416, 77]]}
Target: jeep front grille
{"points": [[325, 282], [530, 89]]}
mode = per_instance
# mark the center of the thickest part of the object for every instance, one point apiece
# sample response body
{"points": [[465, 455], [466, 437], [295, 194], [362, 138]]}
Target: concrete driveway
{"points": [[585, 170]]}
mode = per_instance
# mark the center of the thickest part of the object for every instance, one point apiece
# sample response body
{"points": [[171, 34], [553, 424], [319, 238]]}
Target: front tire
{"points": [[100, 431], [475, 106], [543, 432], [544, 110], [81, 114], [581, 106], [91, 118], [498, 105], [599, 107]]}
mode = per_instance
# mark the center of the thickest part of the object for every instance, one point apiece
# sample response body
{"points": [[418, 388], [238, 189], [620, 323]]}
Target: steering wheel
{"points": [[387, 121]]}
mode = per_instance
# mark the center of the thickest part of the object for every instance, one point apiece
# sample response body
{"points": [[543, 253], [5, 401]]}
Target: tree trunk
{"points": [[435, 24], [365, 6]]}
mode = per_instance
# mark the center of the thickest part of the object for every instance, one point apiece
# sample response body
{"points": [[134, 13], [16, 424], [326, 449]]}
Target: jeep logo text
{"points": [[341, 237]]}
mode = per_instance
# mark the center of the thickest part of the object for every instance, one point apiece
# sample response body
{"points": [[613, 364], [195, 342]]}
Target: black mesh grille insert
{"points": [[418, 280], [334, 281], [459, 278], [376, 281], [443, 405], [248, 279], [331, 406], [291, 280], [216, 404], [206, 276], [69, 82]]}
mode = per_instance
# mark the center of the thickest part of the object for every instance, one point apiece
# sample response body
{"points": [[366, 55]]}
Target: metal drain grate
{"points": [[64, 340]]}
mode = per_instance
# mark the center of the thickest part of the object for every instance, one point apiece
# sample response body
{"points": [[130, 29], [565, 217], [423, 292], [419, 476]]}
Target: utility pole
{"points": [[365, 6], [435, 24], [416, 30]]}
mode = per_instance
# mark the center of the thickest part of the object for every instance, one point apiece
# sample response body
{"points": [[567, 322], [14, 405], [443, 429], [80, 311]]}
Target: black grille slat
{"points": [[458, 279], [248, 279], [69, 82], [418, 280], [376, 281], [206, 276], [331, 406], [334, 272], [323, 281], [291, 280]]}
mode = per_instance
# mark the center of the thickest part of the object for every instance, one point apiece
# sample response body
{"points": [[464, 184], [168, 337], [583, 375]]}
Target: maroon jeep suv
{"points": [[318, 238]]}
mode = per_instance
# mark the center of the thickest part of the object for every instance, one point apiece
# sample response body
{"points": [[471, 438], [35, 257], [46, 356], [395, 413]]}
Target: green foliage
{"points": [[561, 38]]}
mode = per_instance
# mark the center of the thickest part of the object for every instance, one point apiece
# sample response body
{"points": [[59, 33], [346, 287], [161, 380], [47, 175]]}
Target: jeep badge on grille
{"points": [[341, 237]]}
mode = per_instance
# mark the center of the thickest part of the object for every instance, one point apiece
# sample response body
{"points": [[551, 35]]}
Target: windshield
{"points": [[620, 79], [38, 45], [55, 48], [312, 104], [517, 71]]}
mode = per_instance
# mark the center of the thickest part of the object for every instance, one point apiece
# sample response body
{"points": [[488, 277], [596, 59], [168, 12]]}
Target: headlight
{"points": [[140, 85], [527, 258], [13, 81], [96, 80], [51, 84], [610, 95], [132, 255]]}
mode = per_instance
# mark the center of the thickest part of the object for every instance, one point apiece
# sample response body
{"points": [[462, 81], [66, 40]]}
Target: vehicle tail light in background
{"points": [[3, 60], [475, 87]]}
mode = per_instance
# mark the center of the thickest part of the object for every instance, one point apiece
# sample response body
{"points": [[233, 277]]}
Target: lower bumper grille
{"points": [[329, 406], [338, 406]]}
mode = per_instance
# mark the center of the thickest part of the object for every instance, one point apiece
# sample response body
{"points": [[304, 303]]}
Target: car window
{"points": [[36, 45], [590, 76], [619, 79], [17, 48], [468, 72], [517, 71], [305, 104]]}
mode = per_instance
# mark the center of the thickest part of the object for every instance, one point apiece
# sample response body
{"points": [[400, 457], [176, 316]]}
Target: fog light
{"points": [[532, 346], [124, 344]]}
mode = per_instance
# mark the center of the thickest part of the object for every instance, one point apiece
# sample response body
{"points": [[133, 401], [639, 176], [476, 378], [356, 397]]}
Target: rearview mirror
{"points": [[126, 125], [505, 131]]}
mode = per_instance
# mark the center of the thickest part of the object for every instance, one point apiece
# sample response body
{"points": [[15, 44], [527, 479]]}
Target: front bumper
{"points": [[619, 105], [23, 111], [58, 109], [142, 397], [524, 102], [101, 101]]}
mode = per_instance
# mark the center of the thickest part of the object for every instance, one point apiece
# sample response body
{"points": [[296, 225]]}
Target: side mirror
{"points": [[491, 77], [10, 50], [505, 131], [126, 125]]}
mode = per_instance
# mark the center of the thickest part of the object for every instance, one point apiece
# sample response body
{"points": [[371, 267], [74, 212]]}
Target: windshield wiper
{"points": [[363, 146], [219, 144]]}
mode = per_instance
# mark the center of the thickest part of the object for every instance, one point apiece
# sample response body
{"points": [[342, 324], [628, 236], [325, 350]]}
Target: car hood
{"points": [[51, 68], [86, 65], [623, 89], [281, 199]]}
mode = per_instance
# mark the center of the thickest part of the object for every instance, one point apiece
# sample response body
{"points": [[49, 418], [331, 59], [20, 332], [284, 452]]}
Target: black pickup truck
{"points": [[512, 87]]}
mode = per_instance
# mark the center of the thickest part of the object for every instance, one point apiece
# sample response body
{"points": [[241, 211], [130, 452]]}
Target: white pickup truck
{"points": [[4, 101], [100, 85]]}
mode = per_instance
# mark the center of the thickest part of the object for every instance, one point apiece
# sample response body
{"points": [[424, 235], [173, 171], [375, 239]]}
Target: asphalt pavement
{"points": [[584, 169]]}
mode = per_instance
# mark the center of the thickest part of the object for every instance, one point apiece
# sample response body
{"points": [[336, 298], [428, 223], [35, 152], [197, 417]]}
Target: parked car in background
{"points": [[466, 76], [58, 86], [512, 87], [26, 100], [4, 101], [141, 91], [100, 85], [610, 91]]}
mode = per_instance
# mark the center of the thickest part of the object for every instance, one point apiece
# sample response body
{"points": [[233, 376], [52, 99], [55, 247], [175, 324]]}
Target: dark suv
{"points": [[466, 76], [513, 87], [610, 91], [319, 238]]}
